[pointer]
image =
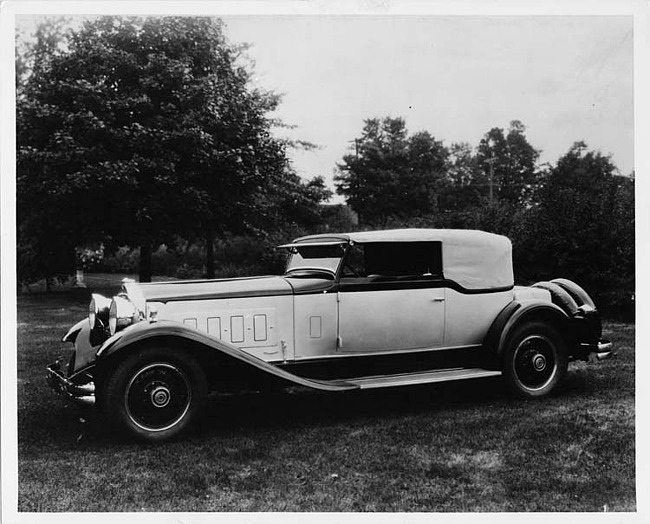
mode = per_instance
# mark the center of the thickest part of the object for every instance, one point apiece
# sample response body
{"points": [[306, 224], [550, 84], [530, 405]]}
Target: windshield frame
{"points": [[293, 249]]}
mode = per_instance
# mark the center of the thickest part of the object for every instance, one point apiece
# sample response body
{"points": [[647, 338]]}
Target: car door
{"points": [[391, 298]]}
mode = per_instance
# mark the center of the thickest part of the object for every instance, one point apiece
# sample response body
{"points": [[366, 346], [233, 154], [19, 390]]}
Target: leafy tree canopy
{"points": [[391, 174], [143, 128], [509, 163], [582, 225]]}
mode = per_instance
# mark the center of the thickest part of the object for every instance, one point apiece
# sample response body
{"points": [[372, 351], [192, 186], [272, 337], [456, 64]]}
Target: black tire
{"points": [[154, 394], [577, 293], [535, 359], [560, 297]]}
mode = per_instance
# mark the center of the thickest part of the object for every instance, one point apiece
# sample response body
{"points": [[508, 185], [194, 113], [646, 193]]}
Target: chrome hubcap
{"points": [[160, 397], [539, 362], [535, 362]]}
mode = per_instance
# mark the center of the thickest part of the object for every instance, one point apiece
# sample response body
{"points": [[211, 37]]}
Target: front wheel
{"points": [[535, 359], [155, 394]]}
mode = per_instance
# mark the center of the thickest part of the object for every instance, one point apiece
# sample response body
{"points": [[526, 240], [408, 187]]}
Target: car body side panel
{"points": [[316, 325], [261, 326], [526, 294], [398, 319], [469, 316]]}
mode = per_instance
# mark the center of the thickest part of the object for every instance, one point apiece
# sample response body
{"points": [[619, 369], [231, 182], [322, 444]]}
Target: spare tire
{"points": [[560, 297], [578, 294]]}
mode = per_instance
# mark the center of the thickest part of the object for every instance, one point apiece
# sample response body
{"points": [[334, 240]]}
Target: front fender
{"points": [[72, 333], [143, 331]]}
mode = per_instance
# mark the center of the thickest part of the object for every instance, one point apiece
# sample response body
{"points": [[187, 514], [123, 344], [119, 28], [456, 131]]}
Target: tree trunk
{"points": [[145, 261], [209, 247]]}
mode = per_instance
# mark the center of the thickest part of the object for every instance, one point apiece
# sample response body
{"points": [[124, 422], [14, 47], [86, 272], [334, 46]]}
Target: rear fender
{"points": [[493, 337], [515, 313], [166, 331]]}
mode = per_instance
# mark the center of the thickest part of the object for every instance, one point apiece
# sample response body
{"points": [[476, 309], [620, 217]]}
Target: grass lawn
{"points": [[454, 447]]}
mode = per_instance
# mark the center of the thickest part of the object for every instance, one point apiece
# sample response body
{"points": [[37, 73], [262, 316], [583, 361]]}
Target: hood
{"points": [[211, 289]]}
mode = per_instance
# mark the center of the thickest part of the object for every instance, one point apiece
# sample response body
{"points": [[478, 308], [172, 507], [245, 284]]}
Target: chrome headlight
{"points": [[98, 310], [121, 314]]}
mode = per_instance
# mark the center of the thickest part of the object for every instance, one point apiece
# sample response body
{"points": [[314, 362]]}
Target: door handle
{"points": [[437, 299]]}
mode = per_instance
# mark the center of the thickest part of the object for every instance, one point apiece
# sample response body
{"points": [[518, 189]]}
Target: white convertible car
{"points": [[352, 311]]}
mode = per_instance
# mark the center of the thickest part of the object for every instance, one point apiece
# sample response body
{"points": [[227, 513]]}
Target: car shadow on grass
{"points": [[302, 407], [298, 409], [306, 407]]}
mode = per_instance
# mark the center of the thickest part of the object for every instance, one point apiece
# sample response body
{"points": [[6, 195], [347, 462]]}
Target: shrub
{"points": [[124, 260]]}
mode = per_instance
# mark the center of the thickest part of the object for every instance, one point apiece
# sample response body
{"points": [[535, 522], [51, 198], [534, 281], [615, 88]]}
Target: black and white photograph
{"points": [[287, 260]]}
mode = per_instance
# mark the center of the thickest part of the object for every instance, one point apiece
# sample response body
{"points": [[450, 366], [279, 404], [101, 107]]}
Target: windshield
{"points": [[314, 258]]}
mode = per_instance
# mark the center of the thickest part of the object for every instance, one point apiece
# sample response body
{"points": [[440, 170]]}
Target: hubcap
{"points": [[535, 362], [158, 396], [539, 362]]}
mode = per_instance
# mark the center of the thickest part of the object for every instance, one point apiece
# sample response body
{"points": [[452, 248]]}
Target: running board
{"points": [[426, 377]]}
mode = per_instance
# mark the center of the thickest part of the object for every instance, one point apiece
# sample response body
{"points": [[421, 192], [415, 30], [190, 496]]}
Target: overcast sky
{"points": [[566, 78]]}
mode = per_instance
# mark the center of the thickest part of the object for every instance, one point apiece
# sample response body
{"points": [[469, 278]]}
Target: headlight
{"points": [[121, 314], [98, 310]]}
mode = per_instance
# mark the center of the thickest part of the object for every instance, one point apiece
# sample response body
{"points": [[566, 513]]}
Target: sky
{"points": [[567, 78]]}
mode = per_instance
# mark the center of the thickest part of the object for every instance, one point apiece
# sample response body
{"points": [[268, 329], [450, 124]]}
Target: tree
{"points": [[391, 174], [509, 163], [300, 201], [464, 180], [423, 179], [34, 52], [142, 129], [582, 226], [44, 250]]}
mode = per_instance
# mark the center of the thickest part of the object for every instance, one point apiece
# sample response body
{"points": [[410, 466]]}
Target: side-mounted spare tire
{"points": [[578, 294], [560, 297], [154, 394]]}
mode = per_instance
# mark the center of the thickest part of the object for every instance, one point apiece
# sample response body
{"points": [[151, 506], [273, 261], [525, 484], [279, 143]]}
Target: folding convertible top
{"points": [[474, 259]]}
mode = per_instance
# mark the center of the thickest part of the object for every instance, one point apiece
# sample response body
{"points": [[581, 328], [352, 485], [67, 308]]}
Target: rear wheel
{"points": [[155, 394], [535, 359]]}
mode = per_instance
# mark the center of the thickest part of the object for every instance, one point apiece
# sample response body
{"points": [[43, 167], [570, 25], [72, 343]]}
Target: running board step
{"points": [[426, 377]]}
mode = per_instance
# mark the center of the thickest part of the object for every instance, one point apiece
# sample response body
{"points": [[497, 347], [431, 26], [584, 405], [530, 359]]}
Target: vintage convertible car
{"points": [[352, 311]]}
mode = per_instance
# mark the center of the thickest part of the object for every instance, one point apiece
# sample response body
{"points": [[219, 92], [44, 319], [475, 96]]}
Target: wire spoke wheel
{"points": [[158, 396]]}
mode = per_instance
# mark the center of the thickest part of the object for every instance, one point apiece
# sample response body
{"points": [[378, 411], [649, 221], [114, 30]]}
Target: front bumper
{"points": [[82, 394], [602, 350]]}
